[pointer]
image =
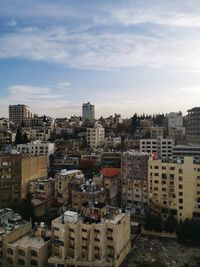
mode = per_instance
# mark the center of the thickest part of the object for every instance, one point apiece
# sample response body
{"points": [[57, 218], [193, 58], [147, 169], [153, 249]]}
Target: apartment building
{"points": [[28, 248], [65, 181], [174, 187], [156, 132], [101, 238], [89, 192], [4, 124], [193, 126], [162, 147], [112, 141], [37, 148], [109, 179], [15, 172], [12, 226], [18, 113], [134, 174], [95, 136]]}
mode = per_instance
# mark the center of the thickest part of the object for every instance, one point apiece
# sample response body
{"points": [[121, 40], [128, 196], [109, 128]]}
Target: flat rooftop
{"points": [[28, 240]]}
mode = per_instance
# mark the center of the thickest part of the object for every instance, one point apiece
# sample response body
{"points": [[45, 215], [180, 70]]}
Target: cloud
{"points": [[28, 90], [12, 23], [64, 84]]}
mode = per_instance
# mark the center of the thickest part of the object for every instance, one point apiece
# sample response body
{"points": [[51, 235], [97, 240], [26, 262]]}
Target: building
{"points": [[95, 136], [162, 147], [4, 124], [88, 115], [182, 151], [65, 181], [134, 174], [174, 120], [18, 113], [111, 159], [100, 238], [15, 173], [42, 195], [89, 192], [193, 126], [28, 248], [174, 187], [12, 226], [37, 148], [109, 179], [156, 132], [112, 141]]}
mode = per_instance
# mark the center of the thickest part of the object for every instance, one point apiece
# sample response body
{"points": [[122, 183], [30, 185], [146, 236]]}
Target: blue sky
{"points": [[124, 56]]}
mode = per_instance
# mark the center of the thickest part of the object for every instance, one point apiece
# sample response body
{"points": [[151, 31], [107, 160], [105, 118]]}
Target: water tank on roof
{"points": [[70, 216]]}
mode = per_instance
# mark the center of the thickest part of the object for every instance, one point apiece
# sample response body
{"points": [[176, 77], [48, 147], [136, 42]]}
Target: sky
{"points": [[123, 56]]}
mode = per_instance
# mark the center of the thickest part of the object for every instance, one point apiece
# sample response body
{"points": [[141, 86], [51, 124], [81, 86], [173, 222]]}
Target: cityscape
{"points": [[99, 133]]}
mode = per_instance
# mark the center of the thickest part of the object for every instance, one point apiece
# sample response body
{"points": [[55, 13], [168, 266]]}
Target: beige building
{"points": [[95, 136], [174, 187], [156, 132], [102, 238], [18, 113], [15, 173], [65, 181]]}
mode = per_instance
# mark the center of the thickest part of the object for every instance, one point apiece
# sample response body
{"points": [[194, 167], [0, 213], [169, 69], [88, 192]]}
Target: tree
{"points": [[25, 138], [170, 225], [153, 222], [18, 137]]}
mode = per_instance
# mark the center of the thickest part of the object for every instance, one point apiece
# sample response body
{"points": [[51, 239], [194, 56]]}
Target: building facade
{"points": [[18, 113], [134, 174], [174, 187], [88, 113], [95, 136], [102, 238], [193, 126]]}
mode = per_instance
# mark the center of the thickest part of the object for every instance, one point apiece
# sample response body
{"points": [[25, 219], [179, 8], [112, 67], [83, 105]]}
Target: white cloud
{"points": [[12, 23], [64, 84]]}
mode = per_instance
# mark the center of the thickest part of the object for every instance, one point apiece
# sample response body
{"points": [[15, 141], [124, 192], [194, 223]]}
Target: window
{"points": [[21, 262], [10, 251], [21, 252], [34, 263], [34, 253]]}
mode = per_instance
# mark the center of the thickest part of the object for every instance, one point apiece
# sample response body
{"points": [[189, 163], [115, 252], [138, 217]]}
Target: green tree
{"points": [[170, 225], [18, 137]]}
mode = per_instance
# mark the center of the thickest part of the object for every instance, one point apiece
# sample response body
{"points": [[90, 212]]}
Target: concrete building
{"points": [[174, 120], [28, 248], [12, 226], [182, 151], [193, 126], [18, 113], [88, 114], [101, 238], [89, 192], [65, 181], [156, 132], [15, 173], [112, 141], [4, 124], [111, 159], [37, 148], [134, 174], [174, 187], [162, 147], [109, 179], [95, 136]]}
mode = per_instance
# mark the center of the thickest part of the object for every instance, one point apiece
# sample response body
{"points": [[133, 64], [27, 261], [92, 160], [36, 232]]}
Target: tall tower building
{"points": [[193, 126], [88, 113], [17, 113]]}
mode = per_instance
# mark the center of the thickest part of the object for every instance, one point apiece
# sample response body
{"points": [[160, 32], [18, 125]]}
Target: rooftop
{"points": [[110, 172], [30, 241]]}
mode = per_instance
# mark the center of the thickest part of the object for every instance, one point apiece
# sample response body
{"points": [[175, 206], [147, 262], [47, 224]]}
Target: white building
{"points": [[36, 148], [112, 141], [174, 120], [95, 136], [88, 112], [162, 147]]}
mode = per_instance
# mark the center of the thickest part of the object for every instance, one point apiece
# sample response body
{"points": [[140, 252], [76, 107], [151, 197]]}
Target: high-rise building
{"points": [[15, 173], [134, 173], [193, 126], [17, 113], [174, 187], [88, 113]]}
